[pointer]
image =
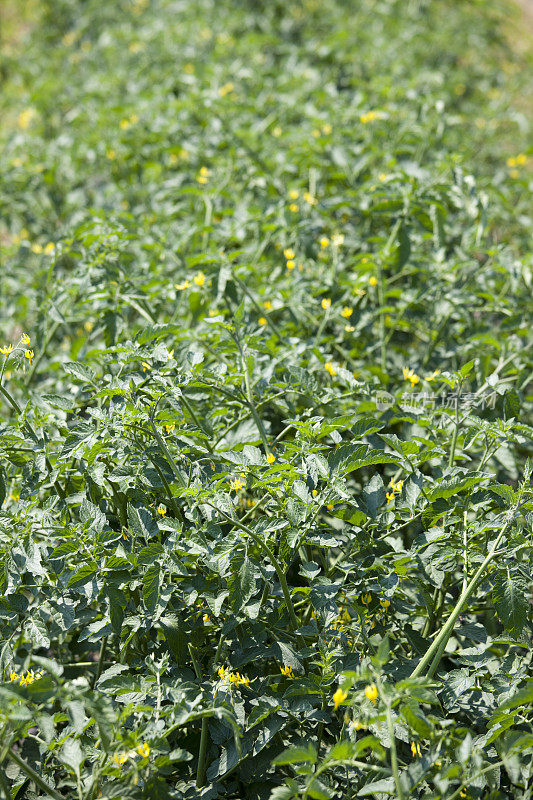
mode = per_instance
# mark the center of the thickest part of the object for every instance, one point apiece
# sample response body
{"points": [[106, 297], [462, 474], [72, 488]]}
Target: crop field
{"points": [[266, 395]]}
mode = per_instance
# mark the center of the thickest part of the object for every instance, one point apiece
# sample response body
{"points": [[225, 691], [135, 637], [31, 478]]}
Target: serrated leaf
{"points": [[509, 594], [151, 587]]}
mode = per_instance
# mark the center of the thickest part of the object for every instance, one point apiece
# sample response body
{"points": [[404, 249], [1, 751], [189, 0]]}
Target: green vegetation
{"points": [[265, 396]]}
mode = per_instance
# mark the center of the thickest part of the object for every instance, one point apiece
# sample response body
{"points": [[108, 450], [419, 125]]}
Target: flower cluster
{"points": [[234, 678], [24, 680], [396, 488], [410, 375]]}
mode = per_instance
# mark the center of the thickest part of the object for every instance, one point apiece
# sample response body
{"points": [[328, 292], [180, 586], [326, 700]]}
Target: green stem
{"points": [[435, 651], [34, 776], [196, 420], [202, 766], [393, 754], [101, 658]]}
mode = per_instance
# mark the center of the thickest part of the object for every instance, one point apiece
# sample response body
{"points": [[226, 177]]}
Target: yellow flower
{"points": [[369, 116], [294, 207], [339, 697], [6, 349], [521, 160], [294, 194], [267, 305], [262, 321], [29, 354], [314, 492], [310, 199], [144, 750], [371, 692], [329, 506], [49, 249], [277, 132], [384, 603], [145, 366], [290, 264], [287, 671], [199, 279], [433, 375], [356, 725], [206, 619], [324, 242], [188, 69], [226, 89], [271, 458], [326, 129], [289, 253], [349, 329], [410, 375], [328, 366], [415, 749], [373, 281], [37, 248], [181, 286], [366, 598], [120, 758], [13, 677], [383, 176], [236, 485], [89, 325], [124, 124], [110, 154], [170, 428], [25, 117], [346, 312], [170, 354], [161, 509], [337, 239], [326, 303]]}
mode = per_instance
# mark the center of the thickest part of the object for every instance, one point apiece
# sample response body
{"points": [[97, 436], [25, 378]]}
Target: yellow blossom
{"points": [[37, 248], [339, 697], [346, 312], [349, 329], [415, 749], [310, 199], [328, 366], [49, 249], [6, 349], [289, 253], [271, 458], [369, 116], [267, 305], [120, 758], [324, 242], [410, 375], [25, 117], [277, 132], [89, 325], [326, 129], [236, 485], [294, 194], [326, 303], [371, 692], [188, 69], [124, 124], [206, 619], [170, 428], [433, 375], [287, 671], [290, 264], [110, 154], [181, 286], [144, 750], [373, 281], [199, 279], [161, 509], [384, 603], [226, 89], [294, 207], [29, 354], [366, 598]]}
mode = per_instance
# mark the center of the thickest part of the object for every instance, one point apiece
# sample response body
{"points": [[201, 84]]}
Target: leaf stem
{"points": [[33, 776]]}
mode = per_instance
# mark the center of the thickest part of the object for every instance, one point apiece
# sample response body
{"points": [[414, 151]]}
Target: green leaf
{"points": [[510, 597], [151, 587], [297, 755]]}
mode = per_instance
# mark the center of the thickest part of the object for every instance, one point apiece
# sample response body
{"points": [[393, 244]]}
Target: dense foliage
{"points": [[266, 393]]}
